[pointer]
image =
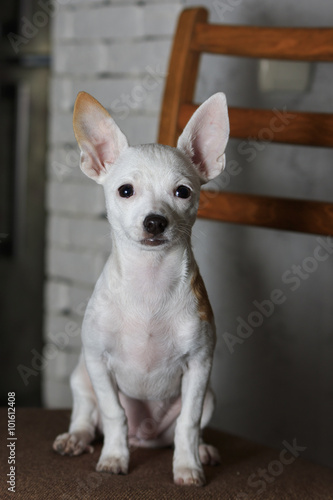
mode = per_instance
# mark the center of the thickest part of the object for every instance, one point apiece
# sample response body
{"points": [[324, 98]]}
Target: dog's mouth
{"points": [[153, 242]]}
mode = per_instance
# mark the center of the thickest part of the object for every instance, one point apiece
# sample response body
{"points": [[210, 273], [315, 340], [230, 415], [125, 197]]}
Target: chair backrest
{"points": [[195, 36]]}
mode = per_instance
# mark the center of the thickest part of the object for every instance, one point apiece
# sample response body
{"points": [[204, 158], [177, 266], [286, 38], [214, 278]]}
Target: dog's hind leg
{"points": [[84, 419]]}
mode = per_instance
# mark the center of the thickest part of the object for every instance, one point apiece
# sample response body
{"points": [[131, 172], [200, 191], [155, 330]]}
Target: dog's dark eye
{"points": [[183, 192], [126, 191]]}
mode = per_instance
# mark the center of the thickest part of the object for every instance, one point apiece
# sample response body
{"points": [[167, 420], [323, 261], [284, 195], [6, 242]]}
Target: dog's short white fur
{"points": [[148, 333]]}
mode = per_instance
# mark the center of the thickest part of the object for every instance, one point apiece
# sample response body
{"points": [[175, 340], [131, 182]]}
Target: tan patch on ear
{"points": [[87, 108], [200, 292]]}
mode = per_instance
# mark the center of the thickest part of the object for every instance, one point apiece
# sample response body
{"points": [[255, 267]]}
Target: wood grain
{"points": [[305, 216], [302, 44]]}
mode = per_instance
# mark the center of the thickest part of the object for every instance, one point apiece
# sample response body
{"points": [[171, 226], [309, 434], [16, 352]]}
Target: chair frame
{"points": [[195, 36]]}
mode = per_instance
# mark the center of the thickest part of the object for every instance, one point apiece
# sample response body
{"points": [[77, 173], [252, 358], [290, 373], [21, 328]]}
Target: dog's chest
{"points": [[148, 325], [147, 355], [146, 343]]}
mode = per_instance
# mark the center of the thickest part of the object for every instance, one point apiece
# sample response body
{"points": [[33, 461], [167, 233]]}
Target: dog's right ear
{"points": [[99, 138]]}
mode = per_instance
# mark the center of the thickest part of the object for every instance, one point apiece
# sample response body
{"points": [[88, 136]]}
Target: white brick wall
{"points": [[118, 52], [110, 22]]}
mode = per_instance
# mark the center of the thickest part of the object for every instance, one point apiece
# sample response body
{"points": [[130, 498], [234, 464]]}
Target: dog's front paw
{"points": [[187, 476], [72, 443], [113, 465]]}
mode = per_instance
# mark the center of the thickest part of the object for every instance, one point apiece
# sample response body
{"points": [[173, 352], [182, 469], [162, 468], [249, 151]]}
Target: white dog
{"points": [[148, 333]]}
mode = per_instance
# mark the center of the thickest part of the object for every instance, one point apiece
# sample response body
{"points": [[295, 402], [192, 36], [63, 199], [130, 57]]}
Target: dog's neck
{"points": [[151, 270]]}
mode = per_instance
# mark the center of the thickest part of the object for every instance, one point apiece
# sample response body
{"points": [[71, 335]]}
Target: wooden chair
{"points": [[195, 36]]}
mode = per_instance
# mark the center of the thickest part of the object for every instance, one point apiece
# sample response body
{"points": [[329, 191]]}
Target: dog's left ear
{"points": [[100, 139], [205, 137]]}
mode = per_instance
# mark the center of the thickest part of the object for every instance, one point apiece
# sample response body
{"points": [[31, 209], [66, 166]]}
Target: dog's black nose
{"points": [[155, 224]]}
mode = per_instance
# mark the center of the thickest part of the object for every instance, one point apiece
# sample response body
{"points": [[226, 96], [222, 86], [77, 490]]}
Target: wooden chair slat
{"points": [[303, 44], [183, 66], [313, 217]]}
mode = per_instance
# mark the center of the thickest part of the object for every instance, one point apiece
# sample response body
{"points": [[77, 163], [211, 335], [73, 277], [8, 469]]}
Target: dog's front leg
{"points": [[115, 453], [187, 468]]}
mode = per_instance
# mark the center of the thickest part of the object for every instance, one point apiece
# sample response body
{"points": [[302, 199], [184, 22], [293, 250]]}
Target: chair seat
{"points": [[248, 470]]}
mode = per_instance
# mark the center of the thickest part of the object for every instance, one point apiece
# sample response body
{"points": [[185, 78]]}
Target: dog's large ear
{"points": [[100, 139], [205, 137]]}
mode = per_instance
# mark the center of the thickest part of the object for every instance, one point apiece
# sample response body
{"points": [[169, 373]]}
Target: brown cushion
{"points": [[41, 473]]}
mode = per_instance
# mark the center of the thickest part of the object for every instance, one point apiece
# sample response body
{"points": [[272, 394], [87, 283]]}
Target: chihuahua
{"points": [[148, 333]]}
